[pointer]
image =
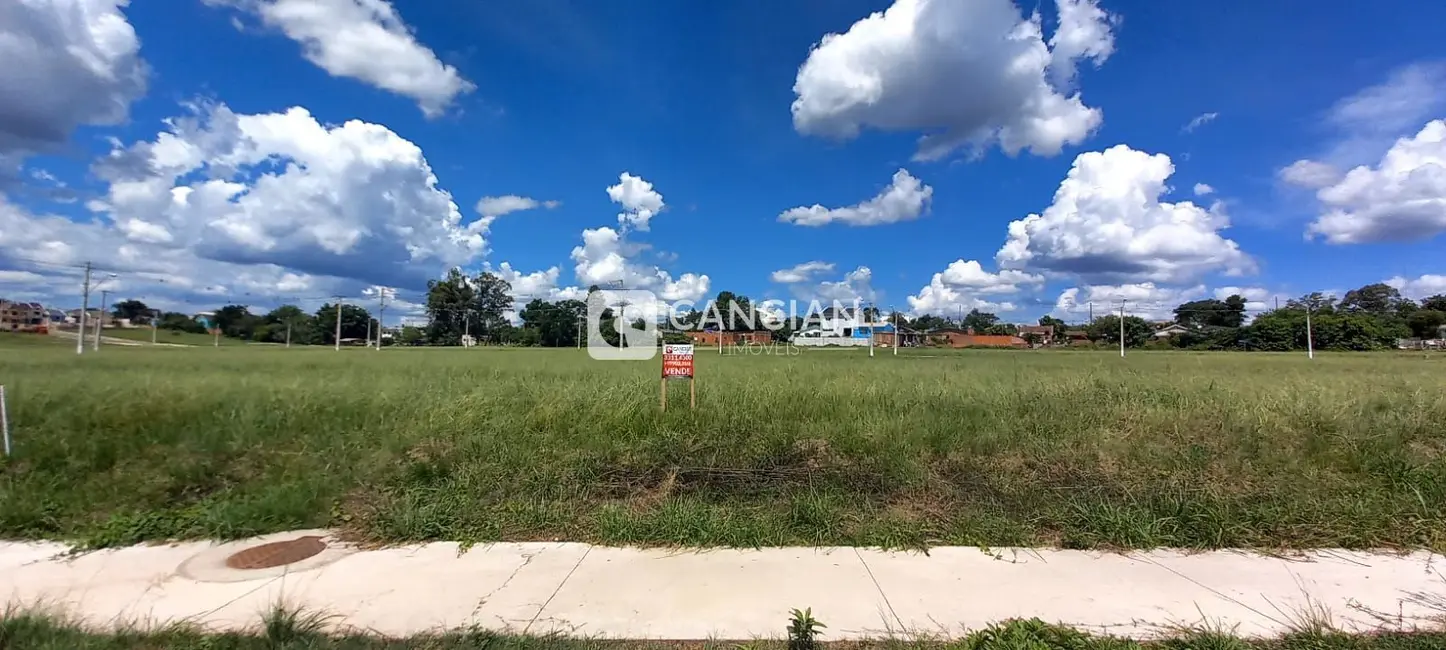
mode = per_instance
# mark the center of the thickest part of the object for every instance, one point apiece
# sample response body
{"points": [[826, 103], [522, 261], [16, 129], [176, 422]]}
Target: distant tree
{"points": [[734, 313], [1235, 314], [1317, 303], [412, 335], [354, 323], [1380, 299], [556, 323], [1106, 329], [450, 306], [1032, 338], [931, 322], [1425, 323], [790, 325], [1285, 329], [1435, 303], [133, 310], [1355, 331], [235, 321], [526, 336], [275, 323], [1212, 313], [1277, 331], [493, 297], [179, 322], [979, 321]]}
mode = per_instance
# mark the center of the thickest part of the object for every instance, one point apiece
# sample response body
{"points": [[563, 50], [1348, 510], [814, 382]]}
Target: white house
{"points": [[840, 327]]}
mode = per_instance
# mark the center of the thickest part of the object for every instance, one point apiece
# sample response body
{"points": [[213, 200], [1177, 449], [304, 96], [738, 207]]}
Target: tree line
{"points": [[287, 322], [1371, 317]]}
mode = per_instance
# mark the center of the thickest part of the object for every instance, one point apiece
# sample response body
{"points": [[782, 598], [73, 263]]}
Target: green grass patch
{"points": [[290, 631], [995, 448], [174, 337]]}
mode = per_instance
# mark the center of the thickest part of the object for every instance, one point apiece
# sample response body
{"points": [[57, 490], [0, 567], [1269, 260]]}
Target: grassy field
{"points": [[143, 334], [1078, 449]]}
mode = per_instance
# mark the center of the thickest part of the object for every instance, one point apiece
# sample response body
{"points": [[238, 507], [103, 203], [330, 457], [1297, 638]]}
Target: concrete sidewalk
{"points": [[595, 591]]}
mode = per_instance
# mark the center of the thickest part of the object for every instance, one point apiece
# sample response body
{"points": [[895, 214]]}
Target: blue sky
{"points": [[154, 139]]}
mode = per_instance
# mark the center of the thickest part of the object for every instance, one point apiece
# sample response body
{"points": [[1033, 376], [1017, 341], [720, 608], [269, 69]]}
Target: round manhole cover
{"points": [[276, 554]]}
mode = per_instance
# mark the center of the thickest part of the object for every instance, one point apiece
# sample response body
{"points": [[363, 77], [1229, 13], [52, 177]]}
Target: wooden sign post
{"points": [[677, 364]]}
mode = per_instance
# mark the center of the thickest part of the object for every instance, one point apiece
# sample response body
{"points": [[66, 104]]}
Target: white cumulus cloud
{"points": [[1107, 224], [538, 284], [364, 40], [1419, 287], [963, 73], [1144, 299], [1310, 173], [64, 63], [639, 200], [1201, 189], [857, 284], [801, 272], [1200, 120], [961, 285], [353, 200], [1400, 199], [903, 200], [496, 206], [605, 256]]}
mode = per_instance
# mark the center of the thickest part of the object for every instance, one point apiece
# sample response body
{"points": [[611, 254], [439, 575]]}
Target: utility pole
{"points": [[1309, 339], [369, 331], [381, 313], [338, 324], [154, 320], [1122, 329], [288, 332], [871, 333], [1092, 311], [84, 307], [894, 316], [99, 321]]}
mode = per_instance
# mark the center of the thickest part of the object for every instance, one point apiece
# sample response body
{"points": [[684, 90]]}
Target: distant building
{"points": [[1077, 337], [842, 326], [1171, 329], [24, 317], [91, 316], [966, 338], [1044, 332], [715, 337]]}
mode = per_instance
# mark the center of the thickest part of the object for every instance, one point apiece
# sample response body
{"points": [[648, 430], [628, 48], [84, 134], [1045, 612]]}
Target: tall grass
{"points": [[992, 448]]}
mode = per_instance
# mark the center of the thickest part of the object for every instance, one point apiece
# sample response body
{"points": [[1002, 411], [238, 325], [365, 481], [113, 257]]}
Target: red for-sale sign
{"points": [[677, 361]]}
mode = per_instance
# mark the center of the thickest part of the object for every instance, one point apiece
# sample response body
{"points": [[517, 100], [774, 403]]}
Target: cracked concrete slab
{"points": [[497, 586], [1355, 591], [721, 594], [954, 589]]}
